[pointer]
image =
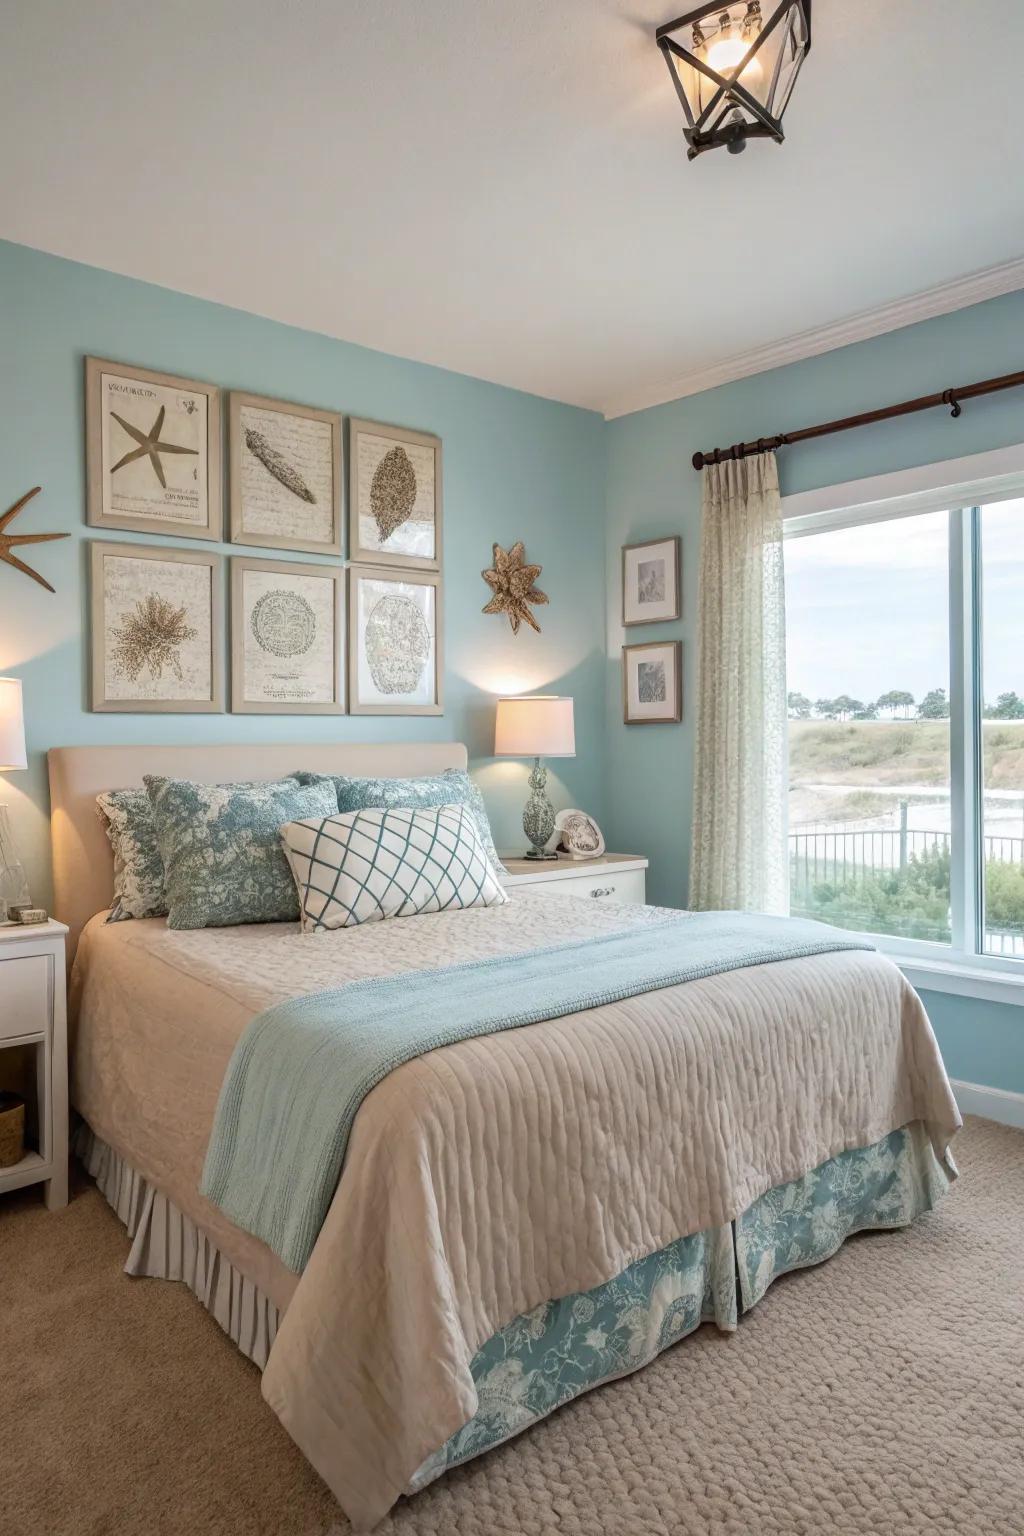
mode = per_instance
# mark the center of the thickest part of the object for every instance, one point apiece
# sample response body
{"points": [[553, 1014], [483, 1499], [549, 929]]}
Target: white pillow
{"points": [[363, 866]]}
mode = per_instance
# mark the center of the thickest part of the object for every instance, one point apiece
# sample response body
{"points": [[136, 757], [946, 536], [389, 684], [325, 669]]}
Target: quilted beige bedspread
{"points": [[492, 1175]]}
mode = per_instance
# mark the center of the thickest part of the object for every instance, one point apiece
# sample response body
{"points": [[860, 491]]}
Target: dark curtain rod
{"points": [[950, 397]]}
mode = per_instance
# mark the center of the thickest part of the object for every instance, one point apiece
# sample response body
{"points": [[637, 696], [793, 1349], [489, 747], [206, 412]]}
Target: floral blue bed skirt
{"points": [[563, 1348]]}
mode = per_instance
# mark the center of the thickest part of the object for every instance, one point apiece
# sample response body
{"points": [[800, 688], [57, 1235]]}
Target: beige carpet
{"points": [[881, 1393]]}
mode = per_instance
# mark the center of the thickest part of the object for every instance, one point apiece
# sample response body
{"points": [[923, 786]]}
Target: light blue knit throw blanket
{"points": [[301, 1070]]}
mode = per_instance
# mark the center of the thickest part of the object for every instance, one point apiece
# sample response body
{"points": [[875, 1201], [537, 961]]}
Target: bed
{"points": [[520, 1216]]}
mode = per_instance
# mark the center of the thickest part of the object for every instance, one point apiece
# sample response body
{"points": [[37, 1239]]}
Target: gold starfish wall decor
{"points": [[9, 540], [512, 582]]}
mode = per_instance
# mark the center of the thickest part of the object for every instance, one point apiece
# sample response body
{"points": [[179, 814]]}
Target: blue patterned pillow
{"points": [[222, 854], [453, 787], [364, 866], [127, 816]]}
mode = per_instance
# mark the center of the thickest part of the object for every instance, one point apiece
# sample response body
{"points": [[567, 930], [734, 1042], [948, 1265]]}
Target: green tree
{"points": [[896, 701], [934, 705], [799, 706], [844, 706], [826, 708], [1008, 706], [866, 712]]}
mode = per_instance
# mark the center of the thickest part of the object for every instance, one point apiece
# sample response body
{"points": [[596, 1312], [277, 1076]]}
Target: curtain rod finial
{"points": [[697, 461]]}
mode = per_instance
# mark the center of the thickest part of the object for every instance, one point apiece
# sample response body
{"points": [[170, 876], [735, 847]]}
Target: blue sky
{"points": [[866, 607]]}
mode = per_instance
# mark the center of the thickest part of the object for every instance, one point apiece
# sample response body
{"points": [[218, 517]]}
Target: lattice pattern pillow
{"points": [[367, 865]]}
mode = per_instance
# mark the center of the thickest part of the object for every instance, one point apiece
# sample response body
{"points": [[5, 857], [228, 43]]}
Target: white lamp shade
{"points": [[541, 726], [12, 725]]}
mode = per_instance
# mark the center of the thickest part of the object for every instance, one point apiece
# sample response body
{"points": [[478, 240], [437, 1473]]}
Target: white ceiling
{"points": [[502, 188]]}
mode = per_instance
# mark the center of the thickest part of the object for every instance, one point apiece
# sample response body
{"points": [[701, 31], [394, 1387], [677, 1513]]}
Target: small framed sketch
{"points": [[650, 581], [157, 629], [286, 475], [152, 451], [287, 638], [394, 496], [652, 682], [395, 650]]}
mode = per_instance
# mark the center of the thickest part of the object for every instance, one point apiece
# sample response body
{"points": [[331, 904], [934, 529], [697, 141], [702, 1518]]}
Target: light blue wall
{"points": [[653, 491], [516, 467]]}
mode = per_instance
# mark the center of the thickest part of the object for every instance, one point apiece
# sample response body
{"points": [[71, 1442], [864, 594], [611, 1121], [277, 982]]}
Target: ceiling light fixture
{"points": [[734, 71]]}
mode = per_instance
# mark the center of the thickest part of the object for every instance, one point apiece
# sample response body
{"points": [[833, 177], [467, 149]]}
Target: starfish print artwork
{"points": [[512, 582], [9, 540], [149, 445]]}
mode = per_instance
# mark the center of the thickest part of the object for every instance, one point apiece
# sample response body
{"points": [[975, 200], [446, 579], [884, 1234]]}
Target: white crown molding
{"points": [[992, 283]]}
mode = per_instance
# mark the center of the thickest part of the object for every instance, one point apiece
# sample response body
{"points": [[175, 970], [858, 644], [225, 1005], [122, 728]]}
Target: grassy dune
{"points": [[875, 753]]}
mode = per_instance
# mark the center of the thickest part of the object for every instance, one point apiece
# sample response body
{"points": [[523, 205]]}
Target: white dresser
{"points": [[612, 877]]}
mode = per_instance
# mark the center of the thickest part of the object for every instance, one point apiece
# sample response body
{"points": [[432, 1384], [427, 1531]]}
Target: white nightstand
{"points": [[612, 877], [33, 1013]]}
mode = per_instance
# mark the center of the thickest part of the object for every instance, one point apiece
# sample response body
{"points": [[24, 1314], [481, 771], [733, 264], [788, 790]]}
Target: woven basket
{"points": [[12, 1129]]}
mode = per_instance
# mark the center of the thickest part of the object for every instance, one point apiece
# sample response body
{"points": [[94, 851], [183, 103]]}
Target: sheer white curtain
{"points": [[739, 799]]}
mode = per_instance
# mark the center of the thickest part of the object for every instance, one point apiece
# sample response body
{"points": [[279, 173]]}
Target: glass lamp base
{"points": [[541, 854]]}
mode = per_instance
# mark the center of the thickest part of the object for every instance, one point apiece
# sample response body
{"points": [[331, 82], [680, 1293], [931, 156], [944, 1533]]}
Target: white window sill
{"points": [[961, 979]]}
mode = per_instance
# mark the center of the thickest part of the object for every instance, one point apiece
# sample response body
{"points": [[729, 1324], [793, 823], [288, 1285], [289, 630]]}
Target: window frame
{"points": [[961, 487]]}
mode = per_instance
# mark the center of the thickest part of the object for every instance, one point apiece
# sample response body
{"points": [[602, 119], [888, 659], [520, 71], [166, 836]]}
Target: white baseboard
{"points": [[993, 1103]]}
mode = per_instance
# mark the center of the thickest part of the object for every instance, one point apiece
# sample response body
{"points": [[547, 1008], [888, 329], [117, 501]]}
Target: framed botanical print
{"points": [[650, 581], [287, 638], [395, 647], [394, 496], [652, 682], [286, 475], [152, 451], [157, 629]]}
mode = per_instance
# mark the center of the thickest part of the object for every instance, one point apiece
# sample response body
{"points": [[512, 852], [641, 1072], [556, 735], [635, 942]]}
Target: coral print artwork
{"points": [[155, 616]]}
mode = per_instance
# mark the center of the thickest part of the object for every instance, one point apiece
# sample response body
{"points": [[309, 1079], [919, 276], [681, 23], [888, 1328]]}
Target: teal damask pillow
{"points": [[127, 816], [222, 854], [453, 787]]}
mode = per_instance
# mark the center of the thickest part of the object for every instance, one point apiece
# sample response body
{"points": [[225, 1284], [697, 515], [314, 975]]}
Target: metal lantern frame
{"points": [[721, 122]]}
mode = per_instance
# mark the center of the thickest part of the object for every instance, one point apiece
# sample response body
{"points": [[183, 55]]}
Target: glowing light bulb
{"points": [[726, 52]]}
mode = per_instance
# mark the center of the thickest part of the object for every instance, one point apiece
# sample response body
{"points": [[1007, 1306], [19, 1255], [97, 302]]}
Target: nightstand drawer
{"points": [[600, 886], [24, 995]]}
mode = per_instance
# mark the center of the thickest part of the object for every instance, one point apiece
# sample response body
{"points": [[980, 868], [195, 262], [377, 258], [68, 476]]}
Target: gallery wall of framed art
{"points": [[305, 638]]}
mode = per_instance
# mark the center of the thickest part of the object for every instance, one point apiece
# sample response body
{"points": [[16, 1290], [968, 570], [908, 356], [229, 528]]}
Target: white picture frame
{"points": [[395, 496], [396, 648], [652, 683], [651, 581], [287, 638], [157, 629], [153, 452], [287, 473]]}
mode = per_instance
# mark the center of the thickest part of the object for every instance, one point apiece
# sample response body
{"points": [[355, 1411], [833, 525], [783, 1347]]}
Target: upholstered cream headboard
{"points": [[83, 865]]}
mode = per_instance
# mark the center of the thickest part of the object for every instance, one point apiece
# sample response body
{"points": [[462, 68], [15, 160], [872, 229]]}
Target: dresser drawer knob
{"points": [[603, 890]]}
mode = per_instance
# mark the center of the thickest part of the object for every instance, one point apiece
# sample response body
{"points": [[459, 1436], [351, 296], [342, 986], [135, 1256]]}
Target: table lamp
{"points": [[13, 885], [536, 726]]}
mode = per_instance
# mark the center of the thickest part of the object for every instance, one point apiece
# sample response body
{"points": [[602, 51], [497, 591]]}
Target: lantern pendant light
{"points": [[734, 70]]}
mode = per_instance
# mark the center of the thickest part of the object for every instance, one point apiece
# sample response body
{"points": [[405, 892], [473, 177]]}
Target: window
{"points": [[1002, 731], [905, 665]]}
